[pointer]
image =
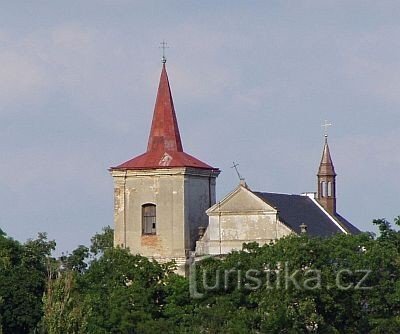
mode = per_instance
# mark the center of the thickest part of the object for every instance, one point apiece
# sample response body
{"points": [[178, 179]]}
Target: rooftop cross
{"points": [[164, 45], [235, 165], [326, 125]]}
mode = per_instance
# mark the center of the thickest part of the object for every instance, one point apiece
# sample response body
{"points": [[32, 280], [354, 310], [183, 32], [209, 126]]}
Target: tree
{"points": [[340, 284], [122, 291], [23, 270], [63, 306], [102, 241], [299, 284]]}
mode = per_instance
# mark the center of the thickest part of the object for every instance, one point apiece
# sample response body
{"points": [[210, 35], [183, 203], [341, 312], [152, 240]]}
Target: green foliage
{"points": [[342, 284], [280, 304], [23, 270], [102, 241], [77, 260], [122, 290], [62, 303]]}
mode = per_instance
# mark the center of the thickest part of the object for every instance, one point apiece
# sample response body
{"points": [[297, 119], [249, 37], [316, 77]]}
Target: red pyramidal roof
{"points": [[164, 149]]}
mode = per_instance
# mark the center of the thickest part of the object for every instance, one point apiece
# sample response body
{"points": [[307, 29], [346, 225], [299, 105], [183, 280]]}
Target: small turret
{"points": [[326, 193]]}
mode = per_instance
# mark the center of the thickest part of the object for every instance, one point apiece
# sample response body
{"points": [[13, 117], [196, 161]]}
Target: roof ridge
{"points": [[273, 193]]}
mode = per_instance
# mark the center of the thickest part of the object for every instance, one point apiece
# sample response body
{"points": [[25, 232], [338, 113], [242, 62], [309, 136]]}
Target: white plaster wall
{"points": [[228, 232], [241, 217]]}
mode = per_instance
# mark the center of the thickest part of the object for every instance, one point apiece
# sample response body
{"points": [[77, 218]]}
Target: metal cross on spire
{"points": [[235, 165], [164, 45], [326, 125]]}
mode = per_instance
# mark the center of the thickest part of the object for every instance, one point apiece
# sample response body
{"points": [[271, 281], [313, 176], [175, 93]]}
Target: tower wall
{"points": [[181, 197], [326, 194], [199, 196], [162, 195]]}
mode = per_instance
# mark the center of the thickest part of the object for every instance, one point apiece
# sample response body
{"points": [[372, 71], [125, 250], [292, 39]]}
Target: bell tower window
{"points": [[149, 219], [329, 189], [323, 189]]}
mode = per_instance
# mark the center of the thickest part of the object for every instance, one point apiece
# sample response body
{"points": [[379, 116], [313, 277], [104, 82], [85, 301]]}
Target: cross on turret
{"points": [[326, 125], [164, 45]]}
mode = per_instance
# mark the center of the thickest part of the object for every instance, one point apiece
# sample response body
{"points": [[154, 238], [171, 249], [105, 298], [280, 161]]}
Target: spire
{"points": [[164, 134], [164, 148], [326, 194], [326, 167]]}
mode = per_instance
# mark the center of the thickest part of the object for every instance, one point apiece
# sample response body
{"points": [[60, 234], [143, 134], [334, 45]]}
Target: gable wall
{"points": [[239, 218]]}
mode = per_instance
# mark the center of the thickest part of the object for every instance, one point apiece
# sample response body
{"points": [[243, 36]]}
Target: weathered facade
{"points": [[161, 196], [241, 217], [164, 200]]}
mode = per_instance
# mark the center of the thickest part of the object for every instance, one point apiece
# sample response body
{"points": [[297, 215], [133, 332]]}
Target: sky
{"points": [[252, 82]]}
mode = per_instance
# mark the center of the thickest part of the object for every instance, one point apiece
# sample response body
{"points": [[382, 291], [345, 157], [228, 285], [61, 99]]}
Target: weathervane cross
{"points": [[326, 125], [164, 45], [235, 165]]}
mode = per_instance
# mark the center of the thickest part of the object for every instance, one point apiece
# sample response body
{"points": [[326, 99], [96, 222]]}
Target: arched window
{"points": [[323, 189], [329, 189], [148, 219]]}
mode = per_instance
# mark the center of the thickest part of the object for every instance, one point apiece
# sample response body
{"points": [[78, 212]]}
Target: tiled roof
{"points": [[295, 210]]}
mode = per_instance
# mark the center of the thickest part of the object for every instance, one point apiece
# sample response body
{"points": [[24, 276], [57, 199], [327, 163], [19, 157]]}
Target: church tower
{"points": [[326, 194], [160, 197]]}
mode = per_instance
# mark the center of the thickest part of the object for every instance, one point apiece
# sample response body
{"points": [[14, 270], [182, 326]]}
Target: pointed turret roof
{"points": [[326, 167], [164, 148], [164, 133]]}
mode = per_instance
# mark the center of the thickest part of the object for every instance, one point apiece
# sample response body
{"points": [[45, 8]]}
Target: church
{"points": [[165, 200]]}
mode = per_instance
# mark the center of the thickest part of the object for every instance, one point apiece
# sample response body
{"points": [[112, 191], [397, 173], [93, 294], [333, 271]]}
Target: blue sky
{"points": [[252, 82]]}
